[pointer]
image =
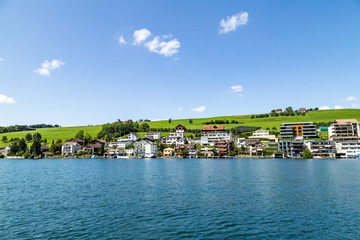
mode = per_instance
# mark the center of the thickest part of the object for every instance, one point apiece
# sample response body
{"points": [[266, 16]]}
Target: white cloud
{"points": [[237, 88], [122, 40], [180, 109], [199, 109], [6, 99], [161, 46], [351, 99], [141, 35], [338, 107], [164, 45], [324, 108], [1, 59], [232, 23], [47, 67]]}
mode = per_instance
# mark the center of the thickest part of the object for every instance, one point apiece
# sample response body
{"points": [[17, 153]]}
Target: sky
{"points": [[93, 62]]}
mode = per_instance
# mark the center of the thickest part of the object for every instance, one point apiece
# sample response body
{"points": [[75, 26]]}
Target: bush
{"points": [[2, 155]]}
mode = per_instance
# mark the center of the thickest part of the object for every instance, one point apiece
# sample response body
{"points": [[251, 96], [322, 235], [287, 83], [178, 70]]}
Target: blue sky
{"points": [[62, 61]]}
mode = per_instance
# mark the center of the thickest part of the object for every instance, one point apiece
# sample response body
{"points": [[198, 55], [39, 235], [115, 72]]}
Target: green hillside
{"points": [[62, 133], [246, 120]]}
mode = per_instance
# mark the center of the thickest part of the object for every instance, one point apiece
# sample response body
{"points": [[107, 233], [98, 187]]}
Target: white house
{"points": [[145, 148], [5, 150], [69, 148], [348, 149], [133, 136], [259, 134], [212, 134], [153, 135], [121, 143]]}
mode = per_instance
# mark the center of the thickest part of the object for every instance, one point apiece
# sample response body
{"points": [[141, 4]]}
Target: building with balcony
{"points": [[298, 130], [292, 148], [214, 133], [344, 130], [321, 149], [347, 149]]}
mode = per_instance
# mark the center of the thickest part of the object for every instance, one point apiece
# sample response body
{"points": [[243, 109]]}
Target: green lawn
{"points": [[314, 116]]}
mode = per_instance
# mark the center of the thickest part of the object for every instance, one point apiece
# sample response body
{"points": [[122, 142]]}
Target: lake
{"points": [[179, 198]]}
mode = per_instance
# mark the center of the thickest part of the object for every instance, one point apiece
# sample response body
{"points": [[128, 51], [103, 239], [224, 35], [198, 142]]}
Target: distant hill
{"points": [[244, 120]]}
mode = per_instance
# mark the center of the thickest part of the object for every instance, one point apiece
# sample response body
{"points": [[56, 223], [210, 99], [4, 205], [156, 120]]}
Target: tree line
{"points": [[19, 128]]}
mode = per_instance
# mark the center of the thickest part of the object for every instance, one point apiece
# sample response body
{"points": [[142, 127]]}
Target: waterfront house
{"points": [[321, 149], [347, 149], [298, 130], [5, 150], [92, 148], [207, 152], [221, 147], [193, 152], [167, 152], [145, 148], [254, 147], [153, 135], [70, 148], [279, 110], [292, 148]]}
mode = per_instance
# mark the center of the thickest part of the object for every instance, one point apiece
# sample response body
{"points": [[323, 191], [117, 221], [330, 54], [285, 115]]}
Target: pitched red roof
{"points": [[213, 127]]}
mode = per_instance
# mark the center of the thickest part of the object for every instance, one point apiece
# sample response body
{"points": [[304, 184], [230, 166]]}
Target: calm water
{"points": [[183, 198]]}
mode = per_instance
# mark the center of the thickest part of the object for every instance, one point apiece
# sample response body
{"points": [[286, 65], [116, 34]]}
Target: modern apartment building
{"points": [[348, 149], [298, 130], [292, 148], [321, 149], [345, 130]]}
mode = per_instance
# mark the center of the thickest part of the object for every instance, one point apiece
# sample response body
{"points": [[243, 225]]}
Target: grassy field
{"points": [[246, 120], [62, 133]]}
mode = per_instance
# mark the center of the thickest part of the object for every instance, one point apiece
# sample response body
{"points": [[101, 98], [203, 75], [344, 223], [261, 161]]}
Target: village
{"points": [[337, 139]]}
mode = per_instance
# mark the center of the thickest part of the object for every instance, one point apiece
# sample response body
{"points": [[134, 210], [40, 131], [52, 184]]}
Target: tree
{"points": [[169, 120], [190, 121], [307, 154], [28, 137], [274, 128], [37, 136], [289, 110], [144, 127], [80, 134], [22, 145], [36, 146], [4, 138]]}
